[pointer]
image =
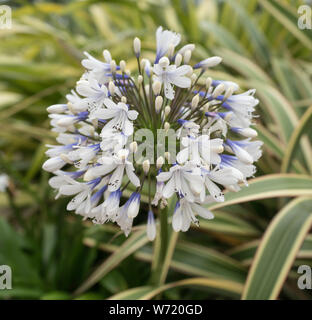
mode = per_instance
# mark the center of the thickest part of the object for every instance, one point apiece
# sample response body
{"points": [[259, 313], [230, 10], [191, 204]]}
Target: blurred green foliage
{"points": [[54, 255]]}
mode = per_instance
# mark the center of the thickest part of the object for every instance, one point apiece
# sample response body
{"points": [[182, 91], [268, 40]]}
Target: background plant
{"points": [[55, 255]]}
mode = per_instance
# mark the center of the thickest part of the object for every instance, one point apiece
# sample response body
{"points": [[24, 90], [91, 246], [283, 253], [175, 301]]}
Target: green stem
{"points": [[160, 250]]}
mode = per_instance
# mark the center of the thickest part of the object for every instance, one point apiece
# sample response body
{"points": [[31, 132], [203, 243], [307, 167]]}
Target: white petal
{"points": [[181, 71], [76, 201], [164, 176], [83, 88], [128, 128], [132, 176], [203, 212], [214, 190], [116, 178], [183, 155], [105, 113], [177, 221], [110, 104], [70, 190], [168, 190], [169, 93]]}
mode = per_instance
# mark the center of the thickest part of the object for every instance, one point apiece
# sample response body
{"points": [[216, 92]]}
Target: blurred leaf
{"points": [[134, 242], [284, 236], [148, 292], [304, 126]]}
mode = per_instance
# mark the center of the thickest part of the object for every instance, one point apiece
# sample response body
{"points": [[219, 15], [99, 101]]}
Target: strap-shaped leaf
{"points": [[135, 241], [228, 287], [192, 259], [269, 186], [245, 252], [304, 126], [288, 18], [278, 249]]}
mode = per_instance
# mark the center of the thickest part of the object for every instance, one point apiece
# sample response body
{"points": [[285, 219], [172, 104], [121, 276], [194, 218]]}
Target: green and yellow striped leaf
{"points": [[228, 287], [269, 186], [278, 249]]}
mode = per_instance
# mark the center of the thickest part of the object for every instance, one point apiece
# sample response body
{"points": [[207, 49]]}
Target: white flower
{"points": [[94, 94], [225, 177], [124, 221], [236, 164], [95, 146], [201, 149], [164, 40], [83, 155], [185, 180], [242, 105], [188, 128], [108, 210], [100, 70], [247, 151], [120, 116], [184, 214], [115, 166], [112, 140], [171, 75]]}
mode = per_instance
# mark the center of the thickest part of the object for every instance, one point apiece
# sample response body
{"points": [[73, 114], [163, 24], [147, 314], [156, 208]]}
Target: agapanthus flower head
{"points": [[101, 156]]}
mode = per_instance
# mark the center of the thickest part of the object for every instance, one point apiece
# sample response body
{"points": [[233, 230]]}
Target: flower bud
{"points": [[167, 126], [66, 121], [146, 166], [178, 59], [113, 66], [140, 79], [137, 46], [107, 56], [122, 65], [146, 87], [195, 101], [189, 46], [164, 62], [53, 164], [187, 56], [156, 87], [167, 110], [218, 90], [208, 83], [158, 103], [167, 156], [57, 108], [171, 50], [151, 226], [111, 87], [123, 99], [208, 63], [159, 162], [133, 147]]}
